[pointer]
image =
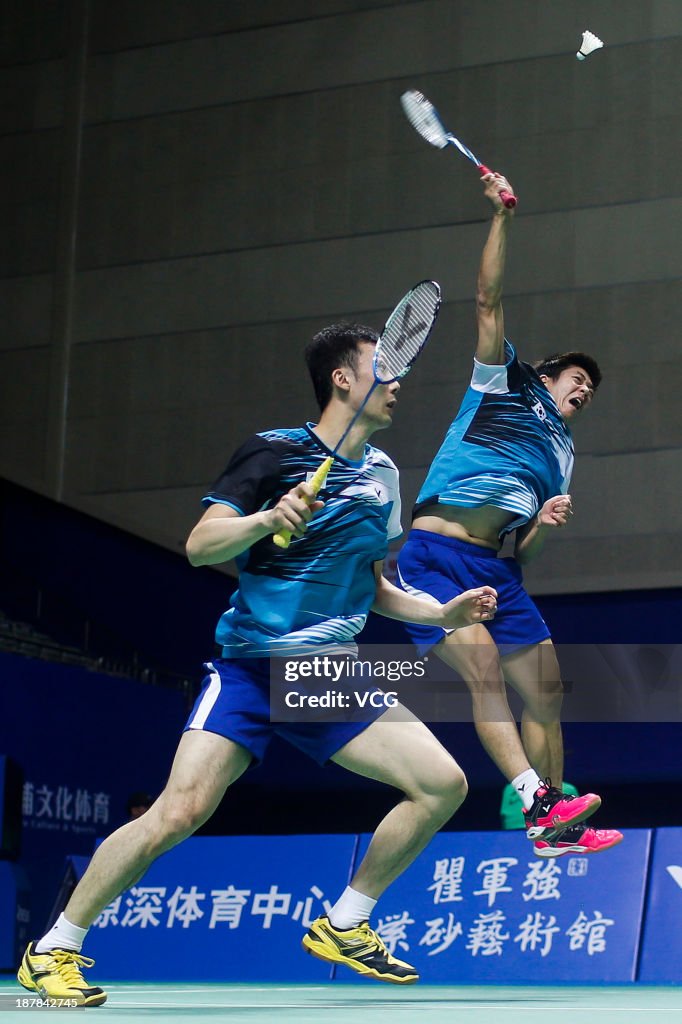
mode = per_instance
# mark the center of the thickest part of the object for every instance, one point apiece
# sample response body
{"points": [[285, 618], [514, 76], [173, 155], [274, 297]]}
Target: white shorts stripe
{"points": [[409, 589], [208, 700]]}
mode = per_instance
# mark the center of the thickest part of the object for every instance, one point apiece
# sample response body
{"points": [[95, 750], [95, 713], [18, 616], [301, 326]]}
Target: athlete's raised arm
{"points": [[489, 316]]}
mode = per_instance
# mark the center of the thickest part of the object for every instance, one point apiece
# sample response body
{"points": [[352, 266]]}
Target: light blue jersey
{"points": [[508, 446], [319, 590]]}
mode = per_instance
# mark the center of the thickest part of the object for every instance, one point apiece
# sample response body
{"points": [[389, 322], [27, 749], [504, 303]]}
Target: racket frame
{"points": [[414, 99], [283, 537]]}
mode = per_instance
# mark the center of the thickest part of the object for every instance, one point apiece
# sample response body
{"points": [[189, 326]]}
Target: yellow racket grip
{"points": [[283, 537]]}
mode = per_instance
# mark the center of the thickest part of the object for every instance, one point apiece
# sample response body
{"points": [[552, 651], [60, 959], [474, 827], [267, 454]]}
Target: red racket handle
{"points": [[508, 198]]}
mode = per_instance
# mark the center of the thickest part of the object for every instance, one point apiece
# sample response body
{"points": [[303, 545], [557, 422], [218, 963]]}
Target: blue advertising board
{"points": [[224, 908], [76, 787], [14, 914], [480, 907], [474, 908], [661, 958]]}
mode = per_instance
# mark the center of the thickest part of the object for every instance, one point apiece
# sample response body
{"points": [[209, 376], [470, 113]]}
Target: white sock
{"points": [[351, 909], [525, 785], [62, 935]]}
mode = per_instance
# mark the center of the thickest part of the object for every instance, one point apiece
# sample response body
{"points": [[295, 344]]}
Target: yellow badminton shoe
{"points": [[359, 948], [56, 976]]}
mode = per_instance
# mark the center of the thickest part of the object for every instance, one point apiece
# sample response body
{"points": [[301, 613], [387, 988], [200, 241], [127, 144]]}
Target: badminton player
{"points": [[505, 467], [318, 591]]}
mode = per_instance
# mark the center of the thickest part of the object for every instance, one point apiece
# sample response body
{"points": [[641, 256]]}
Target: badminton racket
{"points": [[425, 119], [403, 337]]}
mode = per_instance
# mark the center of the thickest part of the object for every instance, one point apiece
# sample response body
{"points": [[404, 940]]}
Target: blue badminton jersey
{"points": [[319, 590], [508, 446]]}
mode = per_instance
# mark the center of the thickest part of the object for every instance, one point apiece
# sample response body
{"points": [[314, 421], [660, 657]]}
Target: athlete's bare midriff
{"points": [[480, 526]]}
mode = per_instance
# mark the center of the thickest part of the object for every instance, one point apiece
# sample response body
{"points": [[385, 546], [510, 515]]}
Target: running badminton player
{"points": [[320, 587], [505, 467]]}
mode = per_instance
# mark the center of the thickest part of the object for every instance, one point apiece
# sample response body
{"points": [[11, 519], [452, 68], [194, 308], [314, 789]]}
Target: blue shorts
{"points": [[235, 703], [444, 566]]}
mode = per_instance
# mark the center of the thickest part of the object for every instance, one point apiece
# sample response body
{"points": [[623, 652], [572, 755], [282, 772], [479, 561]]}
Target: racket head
{"points": [[406, 332], [424, 118]]}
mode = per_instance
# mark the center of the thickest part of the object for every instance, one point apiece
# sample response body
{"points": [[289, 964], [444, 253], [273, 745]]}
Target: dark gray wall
{"points": [[191, 189]]}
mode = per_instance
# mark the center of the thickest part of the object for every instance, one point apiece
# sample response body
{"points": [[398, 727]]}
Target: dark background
{"points": [[190, 189]]}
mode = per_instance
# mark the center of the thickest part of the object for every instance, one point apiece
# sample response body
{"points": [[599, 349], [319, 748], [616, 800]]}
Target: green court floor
{"points": [[364, 1004]]}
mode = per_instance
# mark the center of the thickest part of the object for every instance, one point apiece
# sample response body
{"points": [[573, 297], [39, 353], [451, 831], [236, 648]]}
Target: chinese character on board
{"points": [[543, 881], [447, 880], [271, 904], [227, 906], [304, 909], [440, 935], [590, 933], [184, 906], [494, 877], [486, 936], [391, 930], [144, 906], [533, 932]]}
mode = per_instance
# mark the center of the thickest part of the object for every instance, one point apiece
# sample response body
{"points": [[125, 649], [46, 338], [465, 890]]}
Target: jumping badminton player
{"points": [[320, 589], [505, 467]]}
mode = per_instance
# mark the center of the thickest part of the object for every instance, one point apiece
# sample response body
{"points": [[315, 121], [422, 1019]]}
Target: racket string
{"points": [[423, 117], [406, 332]]}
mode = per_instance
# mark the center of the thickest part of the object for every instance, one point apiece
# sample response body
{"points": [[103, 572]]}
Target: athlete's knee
{"points": [[478, 664], [445, 792], [544, 704], [485, 680], [456, 792], [177, 817]]}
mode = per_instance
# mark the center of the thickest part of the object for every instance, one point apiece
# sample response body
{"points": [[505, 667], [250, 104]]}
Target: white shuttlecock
{"points": [[590, 42]]}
